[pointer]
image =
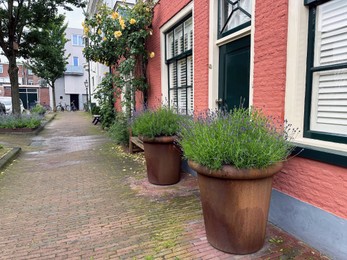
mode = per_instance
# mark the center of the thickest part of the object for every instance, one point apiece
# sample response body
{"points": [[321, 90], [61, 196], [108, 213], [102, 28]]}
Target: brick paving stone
{"points": [[73, 194]]}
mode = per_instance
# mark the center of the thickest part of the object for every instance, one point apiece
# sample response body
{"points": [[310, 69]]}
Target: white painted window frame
{"points": [[188, 9], [78, 42], [296, 78]]}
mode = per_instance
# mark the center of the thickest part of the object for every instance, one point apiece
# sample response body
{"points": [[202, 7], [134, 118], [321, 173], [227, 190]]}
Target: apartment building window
{"points": [[30, 72], [77, 40], [179, 60], [1, 68], [75, 61], [326, 76]]}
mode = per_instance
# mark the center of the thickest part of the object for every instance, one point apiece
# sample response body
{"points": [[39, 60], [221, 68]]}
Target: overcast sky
{"points": [[74, 18]]}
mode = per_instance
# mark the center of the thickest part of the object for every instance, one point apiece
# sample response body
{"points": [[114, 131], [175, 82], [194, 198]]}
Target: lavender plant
{"points": [[23, 121], [244, 138], [154, 123]]}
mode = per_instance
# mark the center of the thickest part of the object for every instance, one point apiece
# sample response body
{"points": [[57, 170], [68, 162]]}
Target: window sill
{"points": [[318, 153]]}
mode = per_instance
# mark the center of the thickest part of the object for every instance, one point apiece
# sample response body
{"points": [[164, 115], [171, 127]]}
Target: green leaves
{"points": [[161, 122], [118, 38], [244, 138], [47, 59]]}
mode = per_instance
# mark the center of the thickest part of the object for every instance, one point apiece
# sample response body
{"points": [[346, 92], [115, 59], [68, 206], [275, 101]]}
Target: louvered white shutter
{"points": [[329, 87], [179, 43]]}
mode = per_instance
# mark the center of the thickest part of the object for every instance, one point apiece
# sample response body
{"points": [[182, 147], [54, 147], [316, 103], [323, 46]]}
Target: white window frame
{"points": [[296, 79], [79, 40], [1, 68], [187, 10], [182, 61], [73, 61]]}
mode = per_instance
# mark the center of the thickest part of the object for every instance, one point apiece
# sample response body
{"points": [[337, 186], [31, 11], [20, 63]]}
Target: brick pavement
{"points": [[72, 194]]}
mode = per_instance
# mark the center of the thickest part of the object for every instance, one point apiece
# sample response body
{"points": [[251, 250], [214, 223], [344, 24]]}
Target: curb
{"points": [[41, 127], [9, 157]]}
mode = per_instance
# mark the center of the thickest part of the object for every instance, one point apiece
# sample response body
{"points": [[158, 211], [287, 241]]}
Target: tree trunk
{"points": [[53, 96], [13, 73]]}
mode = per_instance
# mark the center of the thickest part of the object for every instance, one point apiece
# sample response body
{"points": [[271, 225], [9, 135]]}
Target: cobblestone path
{"points": [[73, 194]]}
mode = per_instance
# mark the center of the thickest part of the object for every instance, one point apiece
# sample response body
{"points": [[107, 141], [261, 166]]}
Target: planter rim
{"points": [[230, 172], [159, 139]]}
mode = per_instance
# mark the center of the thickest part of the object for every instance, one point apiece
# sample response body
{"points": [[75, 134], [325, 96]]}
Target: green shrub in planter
{"points": [[119, 130], [244, 138], [161, 122], [23, 121]]}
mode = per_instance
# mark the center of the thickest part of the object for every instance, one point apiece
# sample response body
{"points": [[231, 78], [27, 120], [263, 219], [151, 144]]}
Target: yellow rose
{"points": [[115, 15], [104, 39], [117, 34], [86, 30], [121, 22], [147, 9], [99, 32], [151, 54], [132, 21]]}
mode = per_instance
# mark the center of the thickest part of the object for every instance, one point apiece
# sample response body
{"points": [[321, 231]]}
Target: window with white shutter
{"points": [[326, 92], [179, 50]]}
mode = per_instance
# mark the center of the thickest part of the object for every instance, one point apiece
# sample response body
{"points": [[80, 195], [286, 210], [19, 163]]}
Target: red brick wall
{"points": [[270, 44], [319, 184], [163, 12], [201, 41], [44, 96], [5, 74]]}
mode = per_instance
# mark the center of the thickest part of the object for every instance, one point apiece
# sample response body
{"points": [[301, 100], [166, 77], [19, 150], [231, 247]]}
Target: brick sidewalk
{"points": [[72, 194]]}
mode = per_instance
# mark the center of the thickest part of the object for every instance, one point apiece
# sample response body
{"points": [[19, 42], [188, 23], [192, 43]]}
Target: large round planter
{"points": [[235, 205], [163, 160]]}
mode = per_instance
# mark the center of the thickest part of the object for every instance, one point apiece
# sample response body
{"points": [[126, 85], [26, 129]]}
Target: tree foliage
{"points": [[47, 59], [18, 20]]}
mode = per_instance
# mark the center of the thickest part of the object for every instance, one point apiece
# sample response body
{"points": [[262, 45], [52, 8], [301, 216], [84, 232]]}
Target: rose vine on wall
{"points": [[118, 39]]}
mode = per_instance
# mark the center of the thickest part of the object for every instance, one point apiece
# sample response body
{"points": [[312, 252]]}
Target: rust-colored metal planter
{"points": [[163, 160], [235, 206]]}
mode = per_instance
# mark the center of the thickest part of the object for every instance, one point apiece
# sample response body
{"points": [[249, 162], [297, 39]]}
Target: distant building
{"points": [[30, 89], [71, 86]]}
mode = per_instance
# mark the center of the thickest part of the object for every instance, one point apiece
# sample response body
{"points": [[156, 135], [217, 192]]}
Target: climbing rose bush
{"points": [[117, 38]]}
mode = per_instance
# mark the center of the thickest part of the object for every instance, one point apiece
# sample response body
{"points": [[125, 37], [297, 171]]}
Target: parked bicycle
{"points": [[73, 107], [47, 107], [62, 108]]}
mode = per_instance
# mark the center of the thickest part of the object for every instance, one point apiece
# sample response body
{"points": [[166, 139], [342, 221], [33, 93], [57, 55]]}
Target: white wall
{"points": [[72, 84]]}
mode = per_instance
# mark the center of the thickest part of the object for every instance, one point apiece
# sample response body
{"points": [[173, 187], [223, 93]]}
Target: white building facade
{"points": [[71, 88]]}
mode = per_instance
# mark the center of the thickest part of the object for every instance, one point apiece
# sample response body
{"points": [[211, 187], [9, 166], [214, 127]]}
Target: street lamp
{"points": [[86, 84]]}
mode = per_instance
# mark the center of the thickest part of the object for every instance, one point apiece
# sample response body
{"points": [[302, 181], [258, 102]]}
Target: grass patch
{"points": [[3, 151]]}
